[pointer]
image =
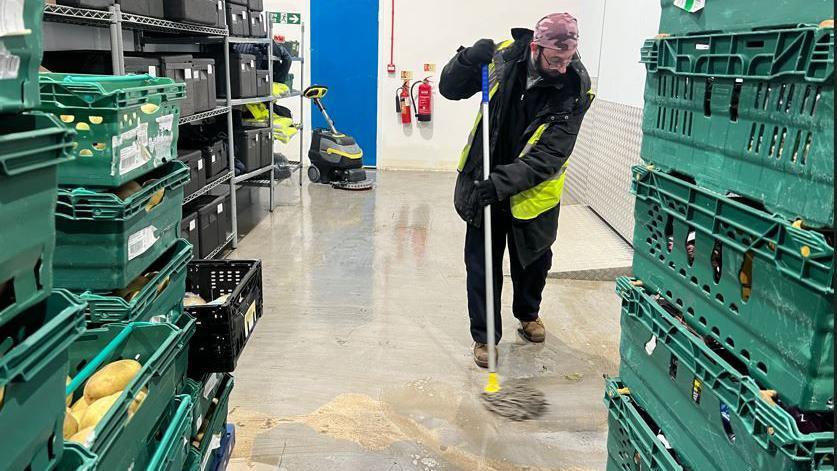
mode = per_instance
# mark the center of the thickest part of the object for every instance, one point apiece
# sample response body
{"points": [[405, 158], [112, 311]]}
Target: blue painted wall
{"points": [[344, 57]]}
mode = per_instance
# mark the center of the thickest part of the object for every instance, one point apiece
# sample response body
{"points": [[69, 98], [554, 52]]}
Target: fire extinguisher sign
{"points": [[430, 68]]}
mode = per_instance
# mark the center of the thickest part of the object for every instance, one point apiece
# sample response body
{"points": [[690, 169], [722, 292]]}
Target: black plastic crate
{"points": [[206, 70], [237, 2], [197, 175], [238, 20], [179, 69], [221, 12], [258, 27], [225, 219], [248, 148], [222, 331], [257, 5], [136, 7], [192, 11], [142, 65], [92, 4], [189, 230], [215, 159], [262, 83]]}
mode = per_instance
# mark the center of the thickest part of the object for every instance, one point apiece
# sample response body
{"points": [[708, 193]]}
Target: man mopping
{"points": [[539, 92]]}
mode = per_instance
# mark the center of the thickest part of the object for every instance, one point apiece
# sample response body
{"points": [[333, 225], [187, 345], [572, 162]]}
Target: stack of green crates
{"points": [[211, 397], [37, 323], [727, 357], [119, 206]]}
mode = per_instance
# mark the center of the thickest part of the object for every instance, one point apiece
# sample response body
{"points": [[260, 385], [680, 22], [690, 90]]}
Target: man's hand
{"points": [[485, 192], [481, 53]]}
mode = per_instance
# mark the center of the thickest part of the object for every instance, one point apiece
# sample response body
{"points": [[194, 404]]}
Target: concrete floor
{"points": [[362, 360]]}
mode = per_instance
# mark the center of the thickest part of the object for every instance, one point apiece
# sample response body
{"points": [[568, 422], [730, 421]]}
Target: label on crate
{"points": [[213, 380], [209, 69], [141, 241], [9, 64], [214, 444], [188, 74], [11, 21], [244, 67], [220, 208], [213, 157], [152, 70], [691, 6], [166, 123], [220, 5], [250, 319], [651, 345], [131, 157], [200, 164], [142, 134], [192, 226], [697, 388], [161, 147], [198, 422]]}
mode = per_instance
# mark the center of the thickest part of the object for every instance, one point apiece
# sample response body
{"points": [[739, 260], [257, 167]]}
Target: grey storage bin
{"points": [[257, 5], [179, 69], [238, 20], [262, 83], [237, 2], [190, 231], [197, 173], [210, 210], [92, 4], [192, 11], [143, 65], [242, 76], [258, 27], [215, 160], [221, 11], [266, 141], [206, 74], [248, 148]]}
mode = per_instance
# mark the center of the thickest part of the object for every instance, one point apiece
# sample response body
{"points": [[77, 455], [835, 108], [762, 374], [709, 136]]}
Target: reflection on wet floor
{"points": [[362, 360]]}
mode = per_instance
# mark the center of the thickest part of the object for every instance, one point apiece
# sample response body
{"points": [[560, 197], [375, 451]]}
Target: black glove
{"points": [[481, 53], [485, 192]]}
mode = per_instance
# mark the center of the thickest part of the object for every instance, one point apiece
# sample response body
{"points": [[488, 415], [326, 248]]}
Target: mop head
{"points": [[516, 401]]}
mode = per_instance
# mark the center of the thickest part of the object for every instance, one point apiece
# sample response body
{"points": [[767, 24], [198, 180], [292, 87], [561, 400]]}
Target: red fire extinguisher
{"points": [[424, 110], [404, 104]]}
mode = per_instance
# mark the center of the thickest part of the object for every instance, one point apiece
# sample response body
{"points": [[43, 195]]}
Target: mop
{"points": [[516, 401]]}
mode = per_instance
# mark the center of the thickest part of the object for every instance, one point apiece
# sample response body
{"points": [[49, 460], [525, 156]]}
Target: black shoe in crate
{"points": [[233, 292]]}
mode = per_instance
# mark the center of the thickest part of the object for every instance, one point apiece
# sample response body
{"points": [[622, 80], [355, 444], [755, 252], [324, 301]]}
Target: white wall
{"points": [[627, 25], [294, 33], [430, 31]]}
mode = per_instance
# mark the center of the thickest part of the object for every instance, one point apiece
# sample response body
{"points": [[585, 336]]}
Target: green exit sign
{"points": [[287, 18]]}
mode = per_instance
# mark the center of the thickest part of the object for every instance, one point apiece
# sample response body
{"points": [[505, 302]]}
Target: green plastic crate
{"points": [[33, 372], [76, 458], [127, 125], [686, 387], [735, 15], [784, 330], [212, 426], [172, 450], [104, 243], [748, 113], [159, 300], [31, 147], [203, 392], [21, 51], [120, 441], [632, 444]]}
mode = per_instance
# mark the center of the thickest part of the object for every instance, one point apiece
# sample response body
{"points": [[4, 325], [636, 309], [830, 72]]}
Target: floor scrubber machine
{"points": [[335, 157]]}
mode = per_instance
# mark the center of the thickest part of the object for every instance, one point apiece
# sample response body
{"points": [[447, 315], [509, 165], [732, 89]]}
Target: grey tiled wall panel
{"points": [[600, 170]]}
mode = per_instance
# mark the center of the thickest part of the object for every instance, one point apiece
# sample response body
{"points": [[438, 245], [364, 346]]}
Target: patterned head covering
{"points": [[557, 31]]}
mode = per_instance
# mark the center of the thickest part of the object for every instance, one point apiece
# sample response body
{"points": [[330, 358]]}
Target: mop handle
{"points": [[489, 263]]}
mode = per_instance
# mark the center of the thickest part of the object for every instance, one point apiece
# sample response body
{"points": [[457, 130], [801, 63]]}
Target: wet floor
{"points": [[362, 360]]}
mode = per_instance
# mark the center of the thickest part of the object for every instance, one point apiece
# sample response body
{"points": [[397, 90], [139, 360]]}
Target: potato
{"points": [[2, 393], [94, 412], [81, 436], [192, 299], [70, 424], [112, 378], [78, 408], [125, 191], [137, 402]]}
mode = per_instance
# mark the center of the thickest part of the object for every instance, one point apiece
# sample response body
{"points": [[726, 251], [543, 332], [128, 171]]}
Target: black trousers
{"points": [[528, 282]]}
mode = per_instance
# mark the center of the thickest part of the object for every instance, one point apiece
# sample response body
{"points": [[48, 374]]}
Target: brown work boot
{"points": [[533, 331], [481, 355]]}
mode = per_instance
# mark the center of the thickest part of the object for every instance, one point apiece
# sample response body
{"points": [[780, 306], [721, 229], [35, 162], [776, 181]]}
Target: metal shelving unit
{"points": [[176, 33]]}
